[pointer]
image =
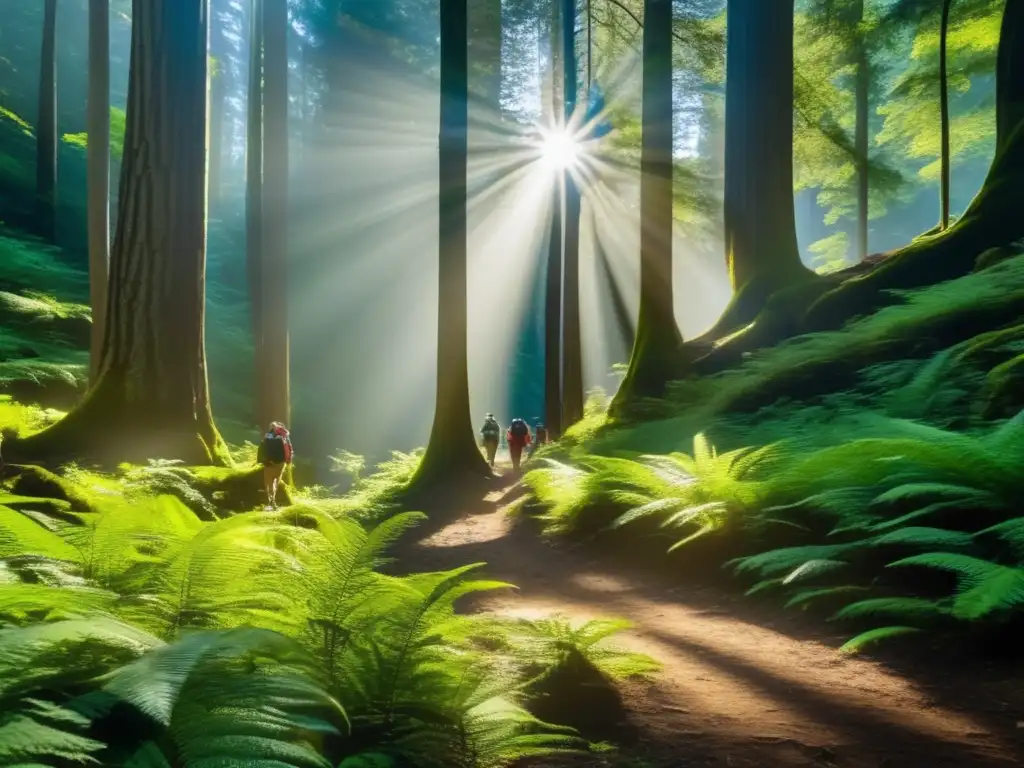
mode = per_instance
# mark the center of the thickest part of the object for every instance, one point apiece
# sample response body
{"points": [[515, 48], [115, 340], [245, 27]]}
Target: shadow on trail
{"points": [[742, 685]]}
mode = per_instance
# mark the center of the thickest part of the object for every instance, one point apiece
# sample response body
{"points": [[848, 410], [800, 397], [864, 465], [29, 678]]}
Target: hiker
{"points": [[518, 437], [274, 453], [540, 437], [490, 434]]}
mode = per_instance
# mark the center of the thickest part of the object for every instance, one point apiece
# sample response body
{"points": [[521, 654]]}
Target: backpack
{"points": [[274, 449], [519, 428], [491, 429]]}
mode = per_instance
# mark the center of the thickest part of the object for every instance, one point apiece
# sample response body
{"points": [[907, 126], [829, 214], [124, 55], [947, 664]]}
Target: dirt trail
{"points": [[735, 690]]}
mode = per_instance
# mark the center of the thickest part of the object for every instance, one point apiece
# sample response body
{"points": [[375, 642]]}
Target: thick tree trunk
{"points": [[272, 367], [572, 362], [992, 220], [151, 399], [760, 224], [98, 170], [944, 116], [46, 128], [863, 81], [553, 287], [452, 447], [658, 340], [254, 191], [218, 94]]}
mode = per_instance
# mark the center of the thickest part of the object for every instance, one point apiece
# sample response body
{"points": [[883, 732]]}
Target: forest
{"points": [[654, 372]]}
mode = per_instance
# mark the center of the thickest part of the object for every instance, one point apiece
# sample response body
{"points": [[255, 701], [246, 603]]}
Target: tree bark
{"points": [[553, 287], [760, 224], [452, 447], [46, 128], [151, 398], [218, 93], [572, 361], [98, 171], [272, 367], [254, 192], [944, 116], [658, 341], [863, 81]]}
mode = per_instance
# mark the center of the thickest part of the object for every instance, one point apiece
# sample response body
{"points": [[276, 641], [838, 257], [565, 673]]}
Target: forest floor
{"points": [[742, 684]]}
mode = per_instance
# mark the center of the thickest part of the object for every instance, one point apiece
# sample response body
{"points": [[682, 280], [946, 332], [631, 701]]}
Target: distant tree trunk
{"points": [[760, 224], [944, 115], [218, 94], [553, 287], [151, 399], [452, 447], [863, 81], [46, 129], [572, 371], [254, 191], [658, 341], [98, 171], [485, 51], [272, 367]]}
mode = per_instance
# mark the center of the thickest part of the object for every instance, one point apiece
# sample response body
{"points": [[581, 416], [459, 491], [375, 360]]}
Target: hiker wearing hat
{"points": [[489, 436]]}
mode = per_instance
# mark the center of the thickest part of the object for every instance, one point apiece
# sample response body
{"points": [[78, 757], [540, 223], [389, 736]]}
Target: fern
{"points": [[985, 588]]}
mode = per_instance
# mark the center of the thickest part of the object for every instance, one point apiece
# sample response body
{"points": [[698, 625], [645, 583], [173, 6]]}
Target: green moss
{"points": [[36, 482]]}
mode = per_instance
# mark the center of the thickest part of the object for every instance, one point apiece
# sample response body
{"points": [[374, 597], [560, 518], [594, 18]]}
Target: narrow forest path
{"points": [[735, 690]]}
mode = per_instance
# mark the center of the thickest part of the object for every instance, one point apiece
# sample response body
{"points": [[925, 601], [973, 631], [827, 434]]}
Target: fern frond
{"points": [[875, 636]]}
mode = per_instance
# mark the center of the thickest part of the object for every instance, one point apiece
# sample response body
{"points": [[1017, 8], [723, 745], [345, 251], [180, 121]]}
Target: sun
{"points": [[559, 149]]}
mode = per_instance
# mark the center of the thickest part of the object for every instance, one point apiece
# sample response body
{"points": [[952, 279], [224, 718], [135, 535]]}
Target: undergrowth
{"points": [[133, 632]]}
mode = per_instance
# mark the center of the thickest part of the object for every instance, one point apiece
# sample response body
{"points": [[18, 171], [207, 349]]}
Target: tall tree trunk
{"points": [[151, 399], [452, 447], [658, 340], [1010, 78], [863, 81], [553, 287], [272, 367], [254, 191], [218, 94], [760, 224], [572, 361], [944, 115], [98, 171], [46, 129]]}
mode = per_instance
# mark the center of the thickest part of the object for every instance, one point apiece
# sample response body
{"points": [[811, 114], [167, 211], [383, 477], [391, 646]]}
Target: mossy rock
{"points": [[46, 391], [1003, 395], [39, 483], [236, 490], [578, 694], [57, 509]]}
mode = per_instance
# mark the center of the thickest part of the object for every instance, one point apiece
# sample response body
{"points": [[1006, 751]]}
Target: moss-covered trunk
{"points": [[572, 350], [760, 223], [272, 364], [452, 447], [46, 126], [658, 341], [993, 219], [151, 398], [553, 283], [98, 172], [254, 188]]}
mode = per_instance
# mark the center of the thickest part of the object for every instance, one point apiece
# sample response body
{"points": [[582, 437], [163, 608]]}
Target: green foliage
{"points": [[270, 638]]}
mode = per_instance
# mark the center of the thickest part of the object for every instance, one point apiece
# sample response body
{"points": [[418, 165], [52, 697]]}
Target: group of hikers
{"points": [[517, 436], [275, 450]]}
